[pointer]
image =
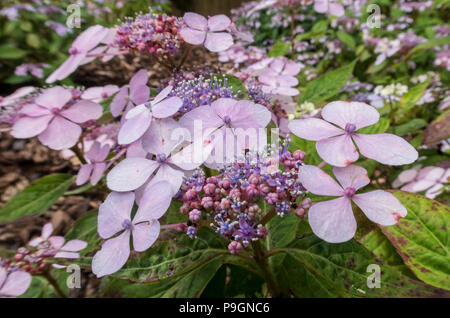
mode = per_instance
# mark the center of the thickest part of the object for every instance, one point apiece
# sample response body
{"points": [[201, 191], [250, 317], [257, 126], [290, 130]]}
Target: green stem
{"points": [[261, 260], [78, 153], [186, 54], [269, 216], [53, 282]]}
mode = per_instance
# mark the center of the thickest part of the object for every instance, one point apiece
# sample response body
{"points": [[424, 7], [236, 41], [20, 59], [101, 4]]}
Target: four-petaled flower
{"points": [[199, 30], [333, 220], [114, 217], [335, 144], [330, 7], [139, 118], [96, 166], [55, 125]]}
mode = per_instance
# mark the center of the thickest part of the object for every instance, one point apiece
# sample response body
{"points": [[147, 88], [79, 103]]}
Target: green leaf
{"points": [[85, 229], [33, 40], [36, 198], [346, 39], [280, 48], [327, 85], [315, 268], [11, 52], [421, 238], [308, 146], [177, 256], [410, 99], [428, 45], [380, 127], [410, 127], [236, 84], [438, 129]]}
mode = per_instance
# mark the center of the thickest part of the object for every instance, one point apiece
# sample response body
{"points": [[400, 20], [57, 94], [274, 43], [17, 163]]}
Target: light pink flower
{"points": [[136, 93], [335, 144], [429, 179], [333, 220], [139, 118], [279, 85], [96, 166], [199, 30], [114, 217], [99, 93], [56, 126], [332, 7], [60, 249], [138, 172], [84, 43], [13, 284]]}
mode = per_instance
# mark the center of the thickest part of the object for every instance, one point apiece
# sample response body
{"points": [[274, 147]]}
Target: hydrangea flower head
{"points": [[430, 179], [335, 142], [332, 7], [55, 125], [333, 220], [114, 217], [209, 32]]}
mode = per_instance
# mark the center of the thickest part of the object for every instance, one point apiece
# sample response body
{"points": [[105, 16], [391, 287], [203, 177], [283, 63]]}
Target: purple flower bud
{"points": [[225, 184], [272, 198], [195, 215], [235, 247], [235, 193], [299, 155], [262, 231], [254, 179], [349, 192], [207, 202], [306, 203], [252, 191], [190, 194], [209, 188], [191, 232]]}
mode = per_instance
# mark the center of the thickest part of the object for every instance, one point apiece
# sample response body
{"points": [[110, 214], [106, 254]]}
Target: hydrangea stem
{"points": [[54, 283], [261, 260], [78, 153]]}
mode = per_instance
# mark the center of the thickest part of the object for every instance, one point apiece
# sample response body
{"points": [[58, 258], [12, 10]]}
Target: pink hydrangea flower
{"points": [[96, 166], [99, 93], [200, 30], [279, 85], [332, 7], [136, 93], [335, 144], [13, 284], [138, 119], [333, 220], [429, 179], [55, 125], [60, 249], [84, 43], [136, 172], [114, 217]]}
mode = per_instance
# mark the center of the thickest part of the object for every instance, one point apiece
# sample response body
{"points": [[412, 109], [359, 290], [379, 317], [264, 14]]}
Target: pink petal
{"points": [[218, 23], [119, 101], [405, 177], [192, 36], [217, 42], [380, 207], [337, 151], [55, 97], [318, 182], [162, 94], [27, 127], [145, 234], [70, 255], [333, 220], [336, 9], [292, 68], [97, 173], [3, 275], [139, 79], [74, 246], [352, 176], [285, 91], [224, 107], [68, 67], [313, 129], [418, 186], [134, 128], [139, 94], [321, 6], [60, 134], [16, 284], [249, 115], [155, 202], [167, 107], [83, 174], [431, 173], [387, 149], [113, 211], [83, 111], [172, 176], [113, 255], [356, 113], [434, 191], [33, 110], [130, 174], [193, 155], [195, 21], [204, 115], [56, 241], [90, 37], [160, 137], [35, 242], [47, 230]]}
